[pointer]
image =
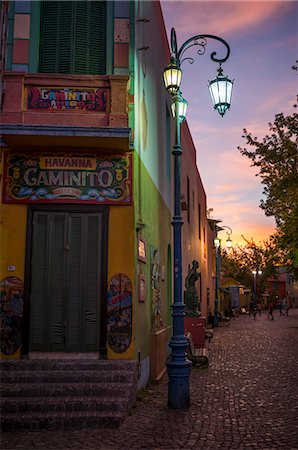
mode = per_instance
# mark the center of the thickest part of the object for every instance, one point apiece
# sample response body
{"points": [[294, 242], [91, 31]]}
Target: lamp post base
{"points": [[178, 387], [215, 320]]}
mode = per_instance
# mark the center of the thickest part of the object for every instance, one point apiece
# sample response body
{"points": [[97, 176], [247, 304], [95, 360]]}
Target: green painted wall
{"points": [[156, 217]]}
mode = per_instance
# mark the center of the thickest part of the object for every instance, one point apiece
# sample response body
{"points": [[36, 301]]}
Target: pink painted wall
{"points": [[193, 246], [16, 93]]}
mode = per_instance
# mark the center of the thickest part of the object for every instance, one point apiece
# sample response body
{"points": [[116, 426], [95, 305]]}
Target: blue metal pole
{"points": [[215, 321], [178, 366]]}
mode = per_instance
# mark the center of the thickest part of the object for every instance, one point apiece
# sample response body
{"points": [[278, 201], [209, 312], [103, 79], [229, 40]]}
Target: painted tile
{"points": [[21, 26], [22, 6], [121, 71], [20, 67], [121, 9], [20, 51], [121, 30], [121, 55]]}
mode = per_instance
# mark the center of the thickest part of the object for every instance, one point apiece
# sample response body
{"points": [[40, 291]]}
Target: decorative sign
{"points": [[142, 288], [141, 249], [67, 99], [43, 178], [119, 324]]}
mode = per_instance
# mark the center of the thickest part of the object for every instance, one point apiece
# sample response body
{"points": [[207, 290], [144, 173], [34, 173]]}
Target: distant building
{"points": [[282, 286], [235, 295]]}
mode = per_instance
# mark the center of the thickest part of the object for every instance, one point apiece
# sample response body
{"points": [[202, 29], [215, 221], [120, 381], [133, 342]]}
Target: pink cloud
{"points": [[244, 220], [225, 17]]}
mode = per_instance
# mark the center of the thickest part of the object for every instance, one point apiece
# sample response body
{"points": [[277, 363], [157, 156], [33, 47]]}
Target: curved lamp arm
{"points": [[229, 242], [201, 41], [225, 226]]}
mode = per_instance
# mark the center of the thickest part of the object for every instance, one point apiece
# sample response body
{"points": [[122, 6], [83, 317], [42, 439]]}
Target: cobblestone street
{"points": [[247, 398]]}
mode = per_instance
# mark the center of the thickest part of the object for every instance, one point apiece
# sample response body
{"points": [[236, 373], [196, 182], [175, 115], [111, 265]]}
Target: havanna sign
{"points": [[68, 99], [64, 178]]}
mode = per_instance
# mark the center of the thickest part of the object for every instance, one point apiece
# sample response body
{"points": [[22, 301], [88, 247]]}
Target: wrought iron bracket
{"points": [[199, 40]]}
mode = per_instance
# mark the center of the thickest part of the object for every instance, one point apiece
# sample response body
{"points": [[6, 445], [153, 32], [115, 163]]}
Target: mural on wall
{"points": [[11, 314], [62, 177], [119, 311], [157, 321], [67, 99]]}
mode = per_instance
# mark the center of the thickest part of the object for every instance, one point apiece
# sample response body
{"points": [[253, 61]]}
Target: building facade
{"points": [[86, 184]]}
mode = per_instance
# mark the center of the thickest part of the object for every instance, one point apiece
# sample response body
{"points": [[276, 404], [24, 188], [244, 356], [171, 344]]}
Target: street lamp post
{"points": [[229, 244], [255, 272], [217, 280], [178, 366]]}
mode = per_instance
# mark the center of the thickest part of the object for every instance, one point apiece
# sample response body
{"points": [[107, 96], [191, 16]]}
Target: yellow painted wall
{"points": [[151, 211], [12, 247], [121, 257], [13, 240]]}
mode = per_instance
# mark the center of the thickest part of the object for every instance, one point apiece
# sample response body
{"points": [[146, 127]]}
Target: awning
{"points": [[31, 137]]}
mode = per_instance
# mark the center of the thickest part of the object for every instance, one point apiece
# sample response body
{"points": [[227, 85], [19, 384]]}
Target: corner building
{"points": [[86, 183]]}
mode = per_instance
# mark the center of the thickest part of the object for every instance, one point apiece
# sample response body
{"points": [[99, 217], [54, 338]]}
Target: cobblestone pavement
{"points": [[247, 398]]}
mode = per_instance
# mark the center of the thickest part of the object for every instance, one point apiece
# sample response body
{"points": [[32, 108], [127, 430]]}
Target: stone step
{"points": [[68, 389], [60, 404], [60, 394], [62, 364], [67, 376], [61, 420]]}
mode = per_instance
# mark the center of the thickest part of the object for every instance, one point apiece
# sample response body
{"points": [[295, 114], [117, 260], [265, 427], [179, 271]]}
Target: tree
{"points": [[276, 156], [240, 263]]}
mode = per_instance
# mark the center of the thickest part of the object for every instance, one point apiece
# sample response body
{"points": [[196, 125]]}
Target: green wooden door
{"points": [[65, 281]]}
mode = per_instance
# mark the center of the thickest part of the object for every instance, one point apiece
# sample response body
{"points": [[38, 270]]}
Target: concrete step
{"points": [[67, 376], [58, 404], [69, 389], [60, 420], [60, 394], [62, 364]]}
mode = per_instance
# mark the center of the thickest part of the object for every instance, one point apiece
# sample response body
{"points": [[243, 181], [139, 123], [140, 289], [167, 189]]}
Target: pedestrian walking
{"points": [[280, 308], [270, 311], [254, 312], [286, 308], [259, 308], [251, 306]]}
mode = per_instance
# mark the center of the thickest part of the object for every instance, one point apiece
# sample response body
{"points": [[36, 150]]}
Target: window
{"points": [[73, 37], [199, 220], [188, 201]]}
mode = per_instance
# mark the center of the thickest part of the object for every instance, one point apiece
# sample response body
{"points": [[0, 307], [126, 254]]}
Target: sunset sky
{"points": [[263, 38]]}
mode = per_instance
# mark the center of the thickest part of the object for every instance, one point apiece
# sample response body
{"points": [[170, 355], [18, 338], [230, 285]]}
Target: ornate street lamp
{"points": [[182, 106], [255, 272], [172, 76], [178, 366], [221, 92], [216, 241]]}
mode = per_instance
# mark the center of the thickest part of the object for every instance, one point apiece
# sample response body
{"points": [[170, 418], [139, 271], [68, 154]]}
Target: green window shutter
{"points": [[75, 268], [82, 31], [64, 50], [39, 283], [56, 276], [73, 37], [93, 225], [48, 37], [97, 38]]}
